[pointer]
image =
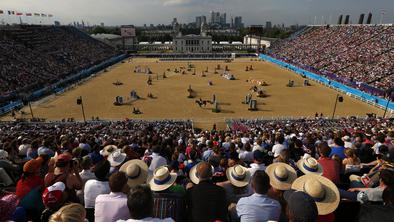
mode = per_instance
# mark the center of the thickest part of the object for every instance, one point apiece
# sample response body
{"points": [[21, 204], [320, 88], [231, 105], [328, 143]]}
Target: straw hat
{"points": [[136, 172], [238, 175], [321, 189], [162, 179], [193, 175], [310, 165], [116, 158], [281, 175], [108, 150]]}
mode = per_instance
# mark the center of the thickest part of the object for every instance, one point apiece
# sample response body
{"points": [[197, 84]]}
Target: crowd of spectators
{"points": [[33, 57], [278, 170], [352, 54]]}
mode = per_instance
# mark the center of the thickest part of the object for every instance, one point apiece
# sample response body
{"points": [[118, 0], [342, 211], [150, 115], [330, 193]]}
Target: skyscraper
{"points": [[268, 25], [223, 19], [238, 22]]}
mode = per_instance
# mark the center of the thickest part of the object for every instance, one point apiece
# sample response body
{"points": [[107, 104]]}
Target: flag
{"points": [[9, 12], [19, 13], [28, 14], [1, 12], [43, 15], [36, 14], [13, 12], [50, 15]]}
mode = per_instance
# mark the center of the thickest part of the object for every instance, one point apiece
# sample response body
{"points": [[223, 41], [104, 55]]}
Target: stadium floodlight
{"points": [[80, 102], [338, 99]]}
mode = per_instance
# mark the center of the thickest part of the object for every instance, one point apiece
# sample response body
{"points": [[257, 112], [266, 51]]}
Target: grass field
{"points": [[99, 94]]}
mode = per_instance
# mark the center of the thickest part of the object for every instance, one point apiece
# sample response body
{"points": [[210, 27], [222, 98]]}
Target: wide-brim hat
{"points": [[193, 174], [136, 172], [309, 165], [322, 190], [238, 175], [281, 175], [108, 150], [116, 158], [162, 179]]}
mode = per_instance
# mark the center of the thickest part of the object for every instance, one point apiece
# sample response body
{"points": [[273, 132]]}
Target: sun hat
{"points": [[281, 175], [301, 205], [322, 190], [309, 165], [52, 195], [116, 158], [136, 172], [3, 154], [162, 179], [108, 150], [238, 175], [193, 175]]}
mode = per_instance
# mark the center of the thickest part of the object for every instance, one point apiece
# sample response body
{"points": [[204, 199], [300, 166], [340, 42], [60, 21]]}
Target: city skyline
{"points": [[138, 12]]}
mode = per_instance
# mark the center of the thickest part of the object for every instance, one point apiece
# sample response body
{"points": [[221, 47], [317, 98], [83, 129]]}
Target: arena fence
{"points": [[355, 93], [60, 86]]}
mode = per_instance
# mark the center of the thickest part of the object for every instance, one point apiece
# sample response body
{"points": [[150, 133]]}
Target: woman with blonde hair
{"points": [[351, 163], [69, 213]]}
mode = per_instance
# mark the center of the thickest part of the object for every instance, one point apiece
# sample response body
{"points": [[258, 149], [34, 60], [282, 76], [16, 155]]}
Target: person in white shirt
{"points": [[258, 162], [140, 204], [157, 160], [95, 187], [116, 201], [246, 153], [86, 174], [257, 145], [278, 147]]}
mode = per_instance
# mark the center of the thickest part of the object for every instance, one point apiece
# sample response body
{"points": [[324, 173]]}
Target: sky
{"points": [[139, 12]]}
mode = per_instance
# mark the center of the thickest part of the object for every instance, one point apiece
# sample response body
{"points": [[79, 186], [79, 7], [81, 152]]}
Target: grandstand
{"points": [[361, 56]]}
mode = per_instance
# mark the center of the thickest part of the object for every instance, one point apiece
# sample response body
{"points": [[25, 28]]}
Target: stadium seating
{"points": [[352, 54], [35, 56]]}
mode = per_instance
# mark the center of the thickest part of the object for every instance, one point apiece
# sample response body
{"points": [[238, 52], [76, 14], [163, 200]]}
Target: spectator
{"points": [[66, 171], [136, 172], [69, 213], [259, 207], [258, 162], [309, 165], [300, 207], [351, 163], [206, 201], [86, 174], [53, 198], [323, 191], [157, 160], [338, 148], [140, 204], [95, 187], [278, 147], [116, 201], [331, 169]]}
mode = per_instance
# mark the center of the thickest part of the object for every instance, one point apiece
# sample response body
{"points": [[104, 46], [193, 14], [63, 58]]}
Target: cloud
{"points": [[176, 2]]}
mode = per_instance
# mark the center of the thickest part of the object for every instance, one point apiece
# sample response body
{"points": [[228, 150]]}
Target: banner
{"points": [[19, 13], [28, 14], [50, 15], [43, 15]]}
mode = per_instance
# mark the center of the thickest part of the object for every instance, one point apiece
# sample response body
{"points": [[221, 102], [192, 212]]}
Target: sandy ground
{"points": [[171, 94]]}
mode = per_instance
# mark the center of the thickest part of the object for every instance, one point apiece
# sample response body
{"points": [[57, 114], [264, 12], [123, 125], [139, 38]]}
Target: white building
{"points": [[254, 40], [192, 43]]}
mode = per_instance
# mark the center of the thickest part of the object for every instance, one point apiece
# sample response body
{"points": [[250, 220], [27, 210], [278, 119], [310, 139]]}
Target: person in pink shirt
{"points": [[113, 206]]}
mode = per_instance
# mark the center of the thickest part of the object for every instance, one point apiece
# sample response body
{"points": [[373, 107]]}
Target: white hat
{"points": [[136, 172], [193, 175], [116, 158], [238, 175], [108, 150], [162, 179], [322, 190], [3, 154], [309, 165], [281, 175]]}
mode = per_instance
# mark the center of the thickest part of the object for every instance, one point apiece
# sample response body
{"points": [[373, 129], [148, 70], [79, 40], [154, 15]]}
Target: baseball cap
{"points": [[52, 195], [301, 206]]}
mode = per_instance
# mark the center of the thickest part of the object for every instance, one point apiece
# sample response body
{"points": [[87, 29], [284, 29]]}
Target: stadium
{"points": [[190, 123]]}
